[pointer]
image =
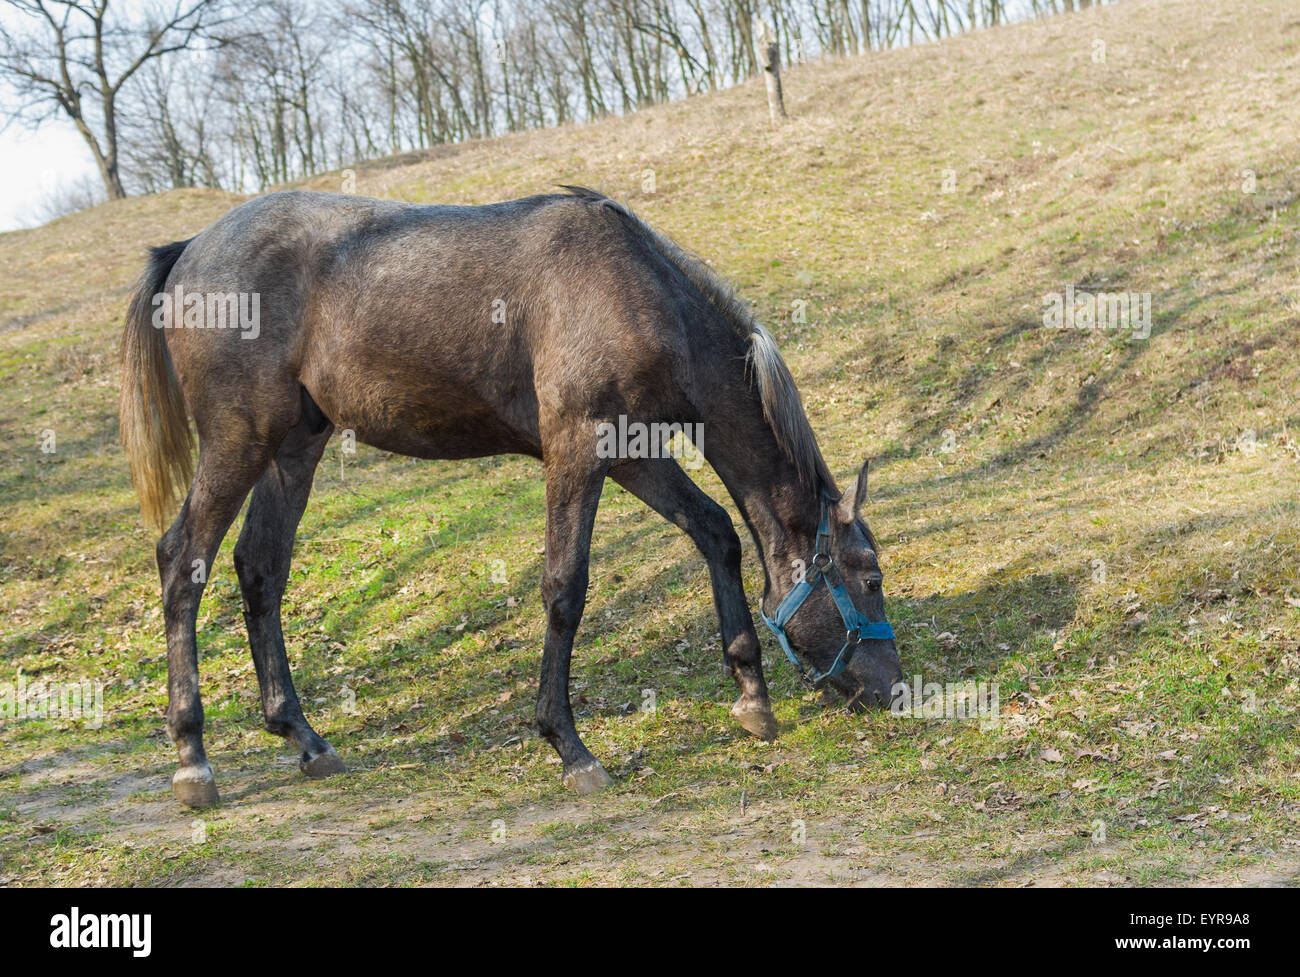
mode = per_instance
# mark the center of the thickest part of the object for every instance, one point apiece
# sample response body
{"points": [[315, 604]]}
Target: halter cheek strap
{"points": [[857, 627]]}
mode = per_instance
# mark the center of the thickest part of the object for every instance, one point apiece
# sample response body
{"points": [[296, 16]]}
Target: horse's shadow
{"points": [[943, 636]]}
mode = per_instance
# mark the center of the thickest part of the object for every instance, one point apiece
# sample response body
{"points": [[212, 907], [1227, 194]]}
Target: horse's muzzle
{"points": [[872, 676]]}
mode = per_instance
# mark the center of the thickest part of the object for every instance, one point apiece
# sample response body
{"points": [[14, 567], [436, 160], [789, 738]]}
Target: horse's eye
{"points": [[873, 585]]}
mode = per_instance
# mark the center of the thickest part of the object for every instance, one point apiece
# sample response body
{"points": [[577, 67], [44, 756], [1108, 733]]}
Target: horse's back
{"points": [[439, 331]]}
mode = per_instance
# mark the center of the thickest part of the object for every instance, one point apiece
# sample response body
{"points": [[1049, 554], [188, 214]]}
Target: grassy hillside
{"points": [[1106, 526]]}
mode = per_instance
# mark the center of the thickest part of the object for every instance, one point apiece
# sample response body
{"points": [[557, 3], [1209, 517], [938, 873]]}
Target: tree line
{"points": [[246, 94]]}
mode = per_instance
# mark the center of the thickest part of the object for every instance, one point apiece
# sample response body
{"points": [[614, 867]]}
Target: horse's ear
{"points": [[854, 497]]}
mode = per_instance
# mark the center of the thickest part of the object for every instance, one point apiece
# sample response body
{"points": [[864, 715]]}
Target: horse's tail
{"points": [[155, 428]]}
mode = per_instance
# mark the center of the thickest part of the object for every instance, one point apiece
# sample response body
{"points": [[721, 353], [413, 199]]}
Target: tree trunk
{"points": [[769, 55]]}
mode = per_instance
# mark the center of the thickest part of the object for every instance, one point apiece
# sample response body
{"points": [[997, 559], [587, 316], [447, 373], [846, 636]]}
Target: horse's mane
{"points": [[782, 407]]}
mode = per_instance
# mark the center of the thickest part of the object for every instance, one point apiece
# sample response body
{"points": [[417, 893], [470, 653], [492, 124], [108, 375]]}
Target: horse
{"points": [[451, 332]]}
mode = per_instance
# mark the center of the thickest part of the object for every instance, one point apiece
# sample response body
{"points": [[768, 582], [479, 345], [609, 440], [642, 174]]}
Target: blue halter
{"points": [[856, 624]]}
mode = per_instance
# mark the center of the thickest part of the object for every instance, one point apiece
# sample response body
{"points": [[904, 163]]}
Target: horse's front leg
{"points": [[661, 484], [573, 482]]}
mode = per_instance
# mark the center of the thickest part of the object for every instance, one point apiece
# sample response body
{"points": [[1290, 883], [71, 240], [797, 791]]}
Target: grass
{"points": [[1105, 527]]}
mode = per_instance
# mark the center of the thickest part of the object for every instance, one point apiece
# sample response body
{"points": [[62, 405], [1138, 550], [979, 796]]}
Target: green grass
{"points": [[1074, 516]]}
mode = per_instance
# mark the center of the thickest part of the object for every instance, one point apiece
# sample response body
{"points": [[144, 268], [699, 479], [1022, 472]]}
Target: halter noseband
{"points": [[856, 624]]}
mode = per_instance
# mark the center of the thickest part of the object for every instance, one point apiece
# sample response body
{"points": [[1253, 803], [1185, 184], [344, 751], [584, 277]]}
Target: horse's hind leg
{"points": [[227, 469], [262, 558], [663, 486]]}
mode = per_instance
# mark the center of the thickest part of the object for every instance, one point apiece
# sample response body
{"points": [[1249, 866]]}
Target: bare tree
{"points": [[71, 58], [170, 127]]}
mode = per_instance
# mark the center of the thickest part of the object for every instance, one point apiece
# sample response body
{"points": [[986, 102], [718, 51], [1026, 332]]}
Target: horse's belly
{"points": [[426, 422]]}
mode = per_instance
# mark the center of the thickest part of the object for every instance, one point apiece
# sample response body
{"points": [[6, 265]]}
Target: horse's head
{"points": [[840, 627]]}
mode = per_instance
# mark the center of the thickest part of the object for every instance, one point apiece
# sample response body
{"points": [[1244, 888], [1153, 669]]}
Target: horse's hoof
{"points": [[756, 718], [195, 786], [587, 779], [325, 764]]}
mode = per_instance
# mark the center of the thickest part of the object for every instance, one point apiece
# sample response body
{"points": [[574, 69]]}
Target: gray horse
{"points": [[523, 327]]}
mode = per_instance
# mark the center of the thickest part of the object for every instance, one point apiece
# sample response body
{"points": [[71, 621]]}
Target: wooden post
{"points": [[769, 56]]}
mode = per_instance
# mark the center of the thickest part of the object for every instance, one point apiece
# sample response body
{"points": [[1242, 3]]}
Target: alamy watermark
{"points": [[1120, 311], [637, 439], [947, 700], [182, 309], [75, 930], [83, 700]]}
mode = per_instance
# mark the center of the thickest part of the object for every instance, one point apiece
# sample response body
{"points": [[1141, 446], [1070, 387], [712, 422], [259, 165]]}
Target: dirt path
{"points": [[82, 824]]}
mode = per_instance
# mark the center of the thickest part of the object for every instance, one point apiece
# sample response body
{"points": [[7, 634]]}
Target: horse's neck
{"points": [[781, 512]]}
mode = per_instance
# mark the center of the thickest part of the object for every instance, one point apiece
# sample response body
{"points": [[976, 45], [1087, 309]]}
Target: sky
{"points": [[34, 164]]}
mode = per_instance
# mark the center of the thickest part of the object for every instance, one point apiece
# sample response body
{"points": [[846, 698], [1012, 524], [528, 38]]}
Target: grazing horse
{"points": [[457, 332]]}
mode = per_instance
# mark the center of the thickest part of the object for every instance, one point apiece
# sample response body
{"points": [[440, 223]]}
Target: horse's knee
{"points": [[718, 540]]}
